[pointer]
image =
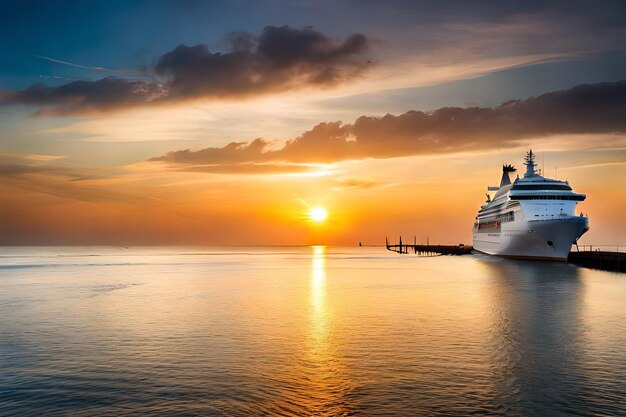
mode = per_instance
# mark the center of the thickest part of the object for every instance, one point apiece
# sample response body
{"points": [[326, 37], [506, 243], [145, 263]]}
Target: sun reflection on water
{"points": [[318, 293], [329, 383]]}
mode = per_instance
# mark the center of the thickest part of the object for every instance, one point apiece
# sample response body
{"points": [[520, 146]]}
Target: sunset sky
{"points": [[227, 122]]}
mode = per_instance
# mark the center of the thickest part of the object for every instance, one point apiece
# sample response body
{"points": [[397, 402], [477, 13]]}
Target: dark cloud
{"points": [[240, 41], [597, 108], [280, 59], [80, 96]]}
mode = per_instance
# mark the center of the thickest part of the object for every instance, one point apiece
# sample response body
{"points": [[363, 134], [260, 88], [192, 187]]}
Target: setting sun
{"points": [[318, 214]]}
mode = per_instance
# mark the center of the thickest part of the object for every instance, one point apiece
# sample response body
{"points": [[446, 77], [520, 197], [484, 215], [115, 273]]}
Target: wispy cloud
{"points": [[28, 156], [599, 165], [250, 168], [41, 174], [136, 72], [72, 64]]}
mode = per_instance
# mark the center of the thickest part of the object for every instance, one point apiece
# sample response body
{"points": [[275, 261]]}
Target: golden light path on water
{"points": [[327, 376], [319, 310]]}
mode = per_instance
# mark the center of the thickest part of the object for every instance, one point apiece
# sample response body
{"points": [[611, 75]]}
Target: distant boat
{"points": [[533, 217]]}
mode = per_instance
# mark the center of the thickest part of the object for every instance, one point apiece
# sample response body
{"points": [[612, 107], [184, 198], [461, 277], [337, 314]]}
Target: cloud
{"points": [[14, 169], [355, 183], [282, 58], [16, 164], [72, 64], [24, 173], [234, 152], [83, 96], [250, 168], [596, 108]]}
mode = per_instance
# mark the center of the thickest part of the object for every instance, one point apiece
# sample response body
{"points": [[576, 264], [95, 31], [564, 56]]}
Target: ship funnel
{"points": [[506, 180]]}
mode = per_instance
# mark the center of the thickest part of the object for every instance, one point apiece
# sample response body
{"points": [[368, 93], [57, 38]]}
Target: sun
{"points": [[318, 214]]}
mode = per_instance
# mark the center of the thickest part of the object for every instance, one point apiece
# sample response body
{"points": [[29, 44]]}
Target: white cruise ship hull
{"points": [[549, 239]]}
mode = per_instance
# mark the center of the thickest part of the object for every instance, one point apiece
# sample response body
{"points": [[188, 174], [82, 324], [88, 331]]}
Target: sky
{"points": [[226, 122]]}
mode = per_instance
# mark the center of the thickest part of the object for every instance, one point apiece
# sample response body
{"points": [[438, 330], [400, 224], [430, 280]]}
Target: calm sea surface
{"points": [[306, 331]]}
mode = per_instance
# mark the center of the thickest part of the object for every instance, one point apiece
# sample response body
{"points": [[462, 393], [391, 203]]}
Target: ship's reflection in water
{"points": [[306, 331], [537, 336], [548, 352]]}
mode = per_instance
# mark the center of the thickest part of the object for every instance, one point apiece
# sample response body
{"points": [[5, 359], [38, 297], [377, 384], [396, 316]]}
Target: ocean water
{"points": [[306, 331]]}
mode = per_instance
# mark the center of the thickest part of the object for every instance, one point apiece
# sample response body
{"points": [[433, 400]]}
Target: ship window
{"points": [[506, 217], [539, 187], [548, 197]]}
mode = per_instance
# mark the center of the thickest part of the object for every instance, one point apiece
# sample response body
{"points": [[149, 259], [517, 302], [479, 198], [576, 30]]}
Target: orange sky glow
{"points": [[433, 197]]}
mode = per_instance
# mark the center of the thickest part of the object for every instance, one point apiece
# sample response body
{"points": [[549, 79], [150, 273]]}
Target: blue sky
{"points": [[127, 34]]}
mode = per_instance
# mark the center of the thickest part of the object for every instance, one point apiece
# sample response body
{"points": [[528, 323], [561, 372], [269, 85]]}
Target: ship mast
{"points": [[529, 161]]}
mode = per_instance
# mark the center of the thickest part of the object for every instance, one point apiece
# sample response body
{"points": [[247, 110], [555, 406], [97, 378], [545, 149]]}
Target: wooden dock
{"points": [[608, 261], [428, 250]]}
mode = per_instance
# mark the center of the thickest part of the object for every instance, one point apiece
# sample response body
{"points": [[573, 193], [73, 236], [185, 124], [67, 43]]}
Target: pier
{"points": [[606, 260], [428, 250]]}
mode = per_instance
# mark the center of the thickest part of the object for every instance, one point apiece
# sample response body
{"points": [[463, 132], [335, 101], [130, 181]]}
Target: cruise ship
{"points": [[531, 218]]}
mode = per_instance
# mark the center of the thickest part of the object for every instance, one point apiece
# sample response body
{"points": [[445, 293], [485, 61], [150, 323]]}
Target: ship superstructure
{"points": [[533, 217]]}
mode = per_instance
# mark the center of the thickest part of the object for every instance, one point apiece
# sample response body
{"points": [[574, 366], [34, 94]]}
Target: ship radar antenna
{"points": [[529, 161]]}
